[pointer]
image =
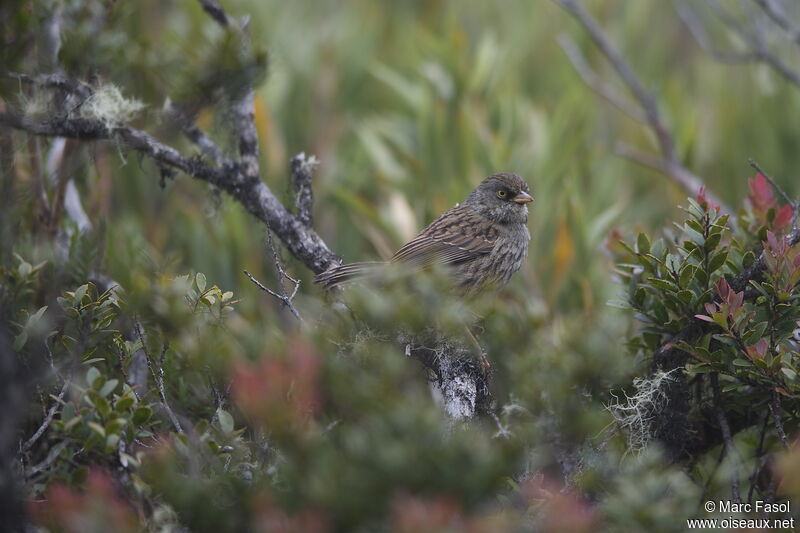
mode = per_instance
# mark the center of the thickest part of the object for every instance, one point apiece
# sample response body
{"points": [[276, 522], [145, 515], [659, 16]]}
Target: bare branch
{"points": [[244, 124], [304, 196], [689, 181], [775, 411], [281, 295], [669, 165], [287, 300], [755, 42], [779, 17], [48, 419], [689, 18], [645, 99], [158, 377], [197, 136], [215, 11], [725, 428], [591, 79]]}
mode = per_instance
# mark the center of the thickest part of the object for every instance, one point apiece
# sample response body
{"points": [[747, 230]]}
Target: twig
{"points": [[761, 459], [215, 11], [158, 377], [645, 99], [670, 165], [688, 16], [726, 435], [196, 135], [689, 181], [287, 300], [48, 419], [302, 168], [774, 409], [780, 18], [756, 44], [51, 456], [594, 82]]}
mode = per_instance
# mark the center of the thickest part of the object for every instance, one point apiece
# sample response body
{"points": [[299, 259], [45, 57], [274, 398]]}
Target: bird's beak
{"points": [[523, 198]]}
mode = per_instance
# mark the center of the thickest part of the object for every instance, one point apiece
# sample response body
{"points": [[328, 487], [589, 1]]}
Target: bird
{"points": [[482, 240]]}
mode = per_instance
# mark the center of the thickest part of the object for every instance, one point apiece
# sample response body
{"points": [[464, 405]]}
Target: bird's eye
{"points": [[502, 194]]}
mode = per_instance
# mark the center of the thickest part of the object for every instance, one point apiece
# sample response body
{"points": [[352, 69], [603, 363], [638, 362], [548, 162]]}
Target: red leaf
{"points": [[761, 196], [704, 317], [783, 217], [702, 199]]}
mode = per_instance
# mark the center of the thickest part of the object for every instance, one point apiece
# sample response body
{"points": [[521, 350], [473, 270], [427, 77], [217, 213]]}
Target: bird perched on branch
{"points": [[482, 240]]}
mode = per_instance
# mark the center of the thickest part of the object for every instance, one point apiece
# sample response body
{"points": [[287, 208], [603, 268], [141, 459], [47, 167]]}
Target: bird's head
{"points": [[502, 198]]}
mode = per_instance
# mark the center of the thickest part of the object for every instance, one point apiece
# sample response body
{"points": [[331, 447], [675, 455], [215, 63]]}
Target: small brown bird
{"points": [[482, 240]]}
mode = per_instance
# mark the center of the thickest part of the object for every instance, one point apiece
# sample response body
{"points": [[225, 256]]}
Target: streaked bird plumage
{"points": [[483, 240]]}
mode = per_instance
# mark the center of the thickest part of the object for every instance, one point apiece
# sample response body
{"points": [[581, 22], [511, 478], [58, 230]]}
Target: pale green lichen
{"points": [[107, 105], [37, 105], [634, 414]]}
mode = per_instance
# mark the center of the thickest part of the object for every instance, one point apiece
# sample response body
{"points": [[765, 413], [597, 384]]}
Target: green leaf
{"points": [[80, 292], [643, 244], [123, 404], [663, 284], [108, 386], [717, 260], [97, 428], [713, 241], [91, 375], [748, 259], [20, 340], [687, 275], [225, 420], [141, 415], [200, 281], [686, 296]]}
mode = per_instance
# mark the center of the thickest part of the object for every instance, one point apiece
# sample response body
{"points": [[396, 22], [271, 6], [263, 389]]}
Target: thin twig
{"points": [[756, 44], [726, 435], [48, 419], [775, 411], [215, 11], [591, 79], [688, 16], [288, 300], [302, 167], [761, 459], [158, 377], [779, 17]]}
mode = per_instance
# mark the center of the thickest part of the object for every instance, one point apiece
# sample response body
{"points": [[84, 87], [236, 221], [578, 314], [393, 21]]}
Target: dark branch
{"points": [[215, 11], [727, 438], [252, 193], [304, 196]]}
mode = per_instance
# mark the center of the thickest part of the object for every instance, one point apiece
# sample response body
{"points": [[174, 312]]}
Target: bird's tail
{"points": [[350, 272]]}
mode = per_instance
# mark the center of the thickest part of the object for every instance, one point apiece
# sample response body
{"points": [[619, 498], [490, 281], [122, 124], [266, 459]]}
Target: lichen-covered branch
{"points": [[251, 192]]}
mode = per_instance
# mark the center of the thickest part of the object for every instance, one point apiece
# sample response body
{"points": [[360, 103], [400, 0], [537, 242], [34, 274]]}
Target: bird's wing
{"points": [[458, 235]]}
